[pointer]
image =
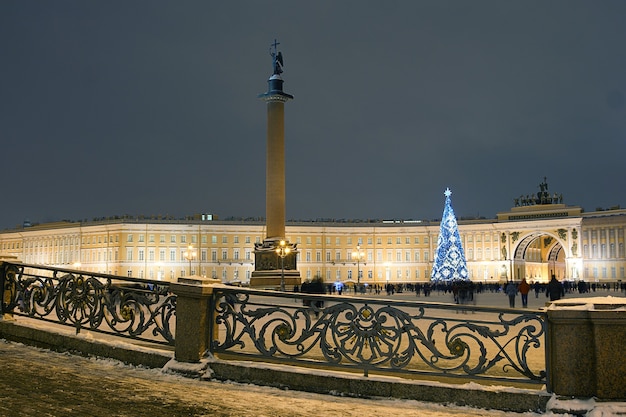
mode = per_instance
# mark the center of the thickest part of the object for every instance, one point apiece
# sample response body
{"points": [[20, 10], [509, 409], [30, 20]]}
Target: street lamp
{"points": [[190, 254], [282, 250], [358, 255]]}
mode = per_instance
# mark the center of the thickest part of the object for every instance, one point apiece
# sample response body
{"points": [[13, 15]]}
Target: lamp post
{"points": [[358, 255], [190, 254], [282, 250]]}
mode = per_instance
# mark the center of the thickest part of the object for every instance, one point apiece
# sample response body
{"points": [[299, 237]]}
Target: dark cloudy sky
{"points": [[150, 107]]}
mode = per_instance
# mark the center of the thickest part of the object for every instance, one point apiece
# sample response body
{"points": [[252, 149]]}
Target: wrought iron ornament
{"points": [[375, 335], [138, 309]]}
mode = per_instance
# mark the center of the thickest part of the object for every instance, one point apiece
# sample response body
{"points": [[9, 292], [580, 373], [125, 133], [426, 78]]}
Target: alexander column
{"points": [[275, 258]]}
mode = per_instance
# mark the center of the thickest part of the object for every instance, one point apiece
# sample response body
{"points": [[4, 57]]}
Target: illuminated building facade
{"points": [[530, 242]]}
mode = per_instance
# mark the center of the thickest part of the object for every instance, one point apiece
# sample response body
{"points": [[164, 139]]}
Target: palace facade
{"points": [[529, 241]]}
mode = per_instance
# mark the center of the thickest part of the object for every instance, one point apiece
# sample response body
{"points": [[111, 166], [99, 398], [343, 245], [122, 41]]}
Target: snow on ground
{"points": [[233, 399], [59, 380]]}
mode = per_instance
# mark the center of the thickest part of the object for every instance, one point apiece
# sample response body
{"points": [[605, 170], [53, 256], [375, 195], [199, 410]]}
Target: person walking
{"points": [[555, 289], [511, 291], [317, 287], [524, 289]]}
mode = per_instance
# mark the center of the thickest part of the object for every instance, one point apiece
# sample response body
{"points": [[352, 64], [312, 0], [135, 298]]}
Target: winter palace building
{"points": [[533, 240]]}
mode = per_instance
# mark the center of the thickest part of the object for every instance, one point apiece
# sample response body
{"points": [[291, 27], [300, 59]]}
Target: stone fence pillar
{"points": [[586, 348], [193, 316]]}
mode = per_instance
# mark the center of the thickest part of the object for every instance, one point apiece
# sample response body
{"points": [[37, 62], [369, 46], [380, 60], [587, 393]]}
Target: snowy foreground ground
{"points": [[42, 383], [38, 382]]}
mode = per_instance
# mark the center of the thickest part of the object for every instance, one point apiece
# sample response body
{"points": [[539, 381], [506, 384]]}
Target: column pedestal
{"points": [[269, 272]]}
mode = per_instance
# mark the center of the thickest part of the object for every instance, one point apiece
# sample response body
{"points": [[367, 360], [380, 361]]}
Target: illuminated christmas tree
{"points": [[449, 264]]}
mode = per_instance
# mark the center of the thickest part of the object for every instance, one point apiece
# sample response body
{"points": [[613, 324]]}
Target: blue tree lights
{"points": [[449, 263]]}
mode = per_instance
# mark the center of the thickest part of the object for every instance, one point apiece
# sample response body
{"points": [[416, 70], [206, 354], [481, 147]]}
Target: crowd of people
{"points": [[465, 291]]}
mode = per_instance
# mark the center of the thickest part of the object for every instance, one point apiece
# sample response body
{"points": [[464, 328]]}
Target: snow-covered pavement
{"points": [[494, 299], [38, 382]]}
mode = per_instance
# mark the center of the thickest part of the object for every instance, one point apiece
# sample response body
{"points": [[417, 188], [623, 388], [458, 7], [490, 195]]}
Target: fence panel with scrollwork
{"points": [[133, 308], [383, 336]]}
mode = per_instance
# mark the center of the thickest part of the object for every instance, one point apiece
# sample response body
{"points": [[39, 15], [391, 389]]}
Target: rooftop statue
{"points": [[277, 58]]}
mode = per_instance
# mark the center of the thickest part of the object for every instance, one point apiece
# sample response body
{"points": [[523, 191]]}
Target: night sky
{"points": [[150, 107]]}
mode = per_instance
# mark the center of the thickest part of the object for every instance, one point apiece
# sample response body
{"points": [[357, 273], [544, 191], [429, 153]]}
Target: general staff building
{"points": [[528, 241]]}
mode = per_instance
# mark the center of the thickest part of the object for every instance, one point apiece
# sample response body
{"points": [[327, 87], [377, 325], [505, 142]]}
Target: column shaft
{"points": [[275, 170]]}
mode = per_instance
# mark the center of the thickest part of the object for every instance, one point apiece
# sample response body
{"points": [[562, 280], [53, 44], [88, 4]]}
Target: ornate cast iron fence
{"points": [[385, 336], [134, 308], [339, 332]]}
